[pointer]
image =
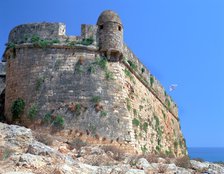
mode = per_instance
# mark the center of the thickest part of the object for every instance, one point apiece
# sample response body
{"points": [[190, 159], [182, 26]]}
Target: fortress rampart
{"points": [[94, 82]]}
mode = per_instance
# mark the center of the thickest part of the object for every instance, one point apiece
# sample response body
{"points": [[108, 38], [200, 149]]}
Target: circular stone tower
{"points": [[110, 32]]}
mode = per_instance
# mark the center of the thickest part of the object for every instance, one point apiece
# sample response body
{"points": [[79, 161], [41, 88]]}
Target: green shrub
{"points": [[39, 82], [78, 108], [17, 108], [10, 45], [101, 62], [180, 143], [164, 115], [151, 80], [144, 149], [128, 104], [96, 99], [135, 112], [35, 39], [128, 74], [145, 126], [79, 67], [55, 41], [143, 70], [109, 75], [91, 69], [184, 142], [159, 131], [86, 41], [43, 43], [132, 65], [175, 144], [135, 122], [58, 121], [157, 120], [47, 118], [32, 113], [103, 113], [158, 148], [169, 153], [71, 43], [167, 101]]}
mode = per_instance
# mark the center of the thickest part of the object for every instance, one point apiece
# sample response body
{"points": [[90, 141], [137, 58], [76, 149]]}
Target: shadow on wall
{"points": [[2, 101]]}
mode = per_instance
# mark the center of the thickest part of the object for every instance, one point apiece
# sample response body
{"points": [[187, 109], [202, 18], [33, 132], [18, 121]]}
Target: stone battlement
{"points": [[44, 30]]}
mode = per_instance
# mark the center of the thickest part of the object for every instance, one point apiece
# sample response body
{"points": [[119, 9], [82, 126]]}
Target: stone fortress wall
{"points": [[116, 100]]}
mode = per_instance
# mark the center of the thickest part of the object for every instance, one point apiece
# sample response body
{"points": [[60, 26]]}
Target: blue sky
{"points": [[180, 42]]}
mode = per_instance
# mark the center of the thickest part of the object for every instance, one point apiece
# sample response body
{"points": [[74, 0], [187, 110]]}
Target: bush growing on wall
{"points": [[17, 108]]}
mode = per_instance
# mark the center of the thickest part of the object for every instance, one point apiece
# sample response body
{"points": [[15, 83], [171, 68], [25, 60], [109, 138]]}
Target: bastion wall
{"points": [[97, 94]]}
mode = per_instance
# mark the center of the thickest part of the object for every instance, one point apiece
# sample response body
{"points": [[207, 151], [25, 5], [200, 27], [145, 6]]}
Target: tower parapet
{"points": [[110, 31]]}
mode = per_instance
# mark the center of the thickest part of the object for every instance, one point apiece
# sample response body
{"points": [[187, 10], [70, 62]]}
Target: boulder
{"points": [[29, 160], [215, 168], [199, 166], [15, 138], [142, 163]]}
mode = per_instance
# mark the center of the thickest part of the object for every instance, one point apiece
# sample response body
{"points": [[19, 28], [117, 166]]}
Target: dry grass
{"points": [[183, 162], [44, 138], [151, 158], [117, 154], [77, 144], [162, 168]]}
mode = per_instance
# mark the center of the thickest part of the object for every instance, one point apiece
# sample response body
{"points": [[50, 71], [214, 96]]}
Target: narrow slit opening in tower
{"points": [[119, 28], [101, 27]]}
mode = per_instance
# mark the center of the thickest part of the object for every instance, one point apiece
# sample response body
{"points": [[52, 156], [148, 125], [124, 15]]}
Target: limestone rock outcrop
{"points": [[22, 153]]}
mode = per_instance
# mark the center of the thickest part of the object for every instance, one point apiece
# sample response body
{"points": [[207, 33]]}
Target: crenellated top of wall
{"points": [[144, 75], [49, 34], [44, 30], [45, 34]]}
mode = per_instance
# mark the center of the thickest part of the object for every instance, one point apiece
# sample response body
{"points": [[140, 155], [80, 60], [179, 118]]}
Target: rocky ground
{"points": [[25, 152]]}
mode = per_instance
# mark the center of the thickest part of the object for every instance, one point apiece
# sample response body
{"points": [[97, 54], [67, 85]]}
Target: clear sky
{"points": [[180, 42]]}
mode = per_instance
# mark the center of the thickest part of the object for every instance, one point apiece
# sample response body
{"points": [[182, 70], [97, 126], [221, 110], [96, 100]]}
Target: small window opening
{"points": [[101, 27], [119, 28]]}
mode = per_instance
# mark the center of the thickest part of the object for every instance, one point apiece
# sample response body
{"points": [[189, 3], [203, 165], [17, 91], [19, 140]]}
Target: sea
{"points": [[211, 154]]}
